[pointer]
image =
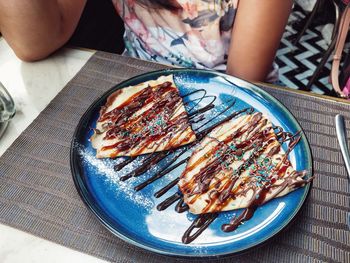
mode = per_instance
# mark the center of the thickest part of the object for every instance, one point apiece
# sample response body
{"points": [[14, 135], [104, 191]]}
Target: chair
{"points": [[339, 7], [340, 41]]}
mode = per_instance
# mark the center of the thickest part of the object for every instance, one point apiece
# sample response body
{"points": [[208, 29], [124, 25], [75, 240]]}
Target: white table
{"points": [[33, 86]]}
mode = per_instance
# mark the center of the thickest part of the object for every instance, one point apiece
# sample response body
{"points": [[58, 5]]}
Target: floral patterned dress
{"points": [[196, 36]]}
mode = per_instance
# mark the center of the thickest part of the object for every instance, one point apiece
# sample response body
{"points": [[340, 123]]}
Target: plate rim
{"points": [[80, 187]]}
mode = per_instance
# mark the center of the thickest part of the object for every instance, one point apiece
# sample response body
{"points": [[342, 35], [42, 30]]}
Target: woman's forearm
{"points": [[36, 28], [256, 35]]}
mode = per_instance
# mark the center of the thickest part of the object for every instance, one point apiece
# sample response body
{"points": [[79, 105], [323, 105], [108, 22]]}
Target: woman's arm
{"points": [[257, 31], [36, 28]]}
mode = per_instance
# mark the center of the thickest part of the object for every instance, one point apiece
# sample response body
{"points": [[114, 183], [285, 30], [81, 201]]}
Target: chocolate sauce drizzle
{"points": [[159, 175], [196, 116], [259, 196], [159, 123], [166, 188], [199, 224], [169, 201], [193, 118]]}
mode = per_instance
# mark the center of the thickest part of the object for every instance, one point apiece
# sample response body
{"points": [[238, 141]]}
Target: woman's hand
{"points": [[256, 34], [34, 29]]}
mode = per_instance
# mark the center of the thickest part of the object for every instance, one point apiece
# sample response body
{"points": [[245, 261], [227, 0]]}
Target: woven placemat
{"points": [[37, 193]]}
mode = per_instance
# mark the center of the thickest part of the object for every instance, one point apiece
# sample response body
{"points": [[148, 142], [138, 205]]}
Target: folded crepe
{"points": [[140, 119], [239, 164]]}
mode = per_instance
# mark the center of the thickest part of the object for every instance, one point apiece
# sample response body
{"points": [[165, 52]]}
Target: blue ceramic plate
{"points": [[133, 217]]}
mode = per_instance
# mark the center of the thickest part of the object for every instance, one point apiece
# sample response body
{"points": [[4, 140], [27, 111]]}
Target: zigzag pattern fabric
{"points": [[297, 63]]}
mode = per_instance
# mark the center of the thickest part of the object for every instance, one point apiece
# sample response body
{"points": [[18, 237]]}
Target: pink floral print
{"points": [[197, 36]]}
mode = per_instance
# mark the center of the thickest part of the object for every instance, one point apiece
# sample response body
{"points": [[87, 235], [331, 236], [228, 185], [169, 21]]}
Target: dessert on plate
{"points": [[146, 118], [240, 164]]}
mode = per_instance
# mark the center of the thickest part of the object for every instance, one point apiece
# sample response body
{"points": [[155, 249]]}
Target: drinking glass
{"points": [[7, 106]]}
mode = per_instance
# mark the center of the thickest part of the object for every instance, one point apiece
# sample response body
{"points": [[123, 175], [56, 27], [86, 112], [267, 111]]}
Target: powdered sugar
{"points": [[104, 167]]}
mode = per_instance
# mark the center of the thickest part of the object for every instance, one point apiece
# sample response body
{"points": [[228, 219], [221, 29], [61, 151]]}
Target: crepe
{"points": [[240, 164], [145, 118]]}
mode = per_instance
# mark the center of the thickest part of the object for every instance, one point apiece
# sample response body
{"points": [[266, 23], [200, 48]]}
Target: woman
{"points": [[220, 34]]}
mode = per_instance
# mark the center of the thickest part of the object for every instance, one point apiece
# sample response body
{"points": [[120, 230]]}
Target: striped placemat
{"points": [[37, 193]]}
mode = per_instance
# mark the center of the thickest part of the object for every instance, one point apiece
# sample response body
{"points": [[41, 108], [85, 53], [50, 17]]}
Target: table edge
{"points": [[303, 92], [263, 84]]}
